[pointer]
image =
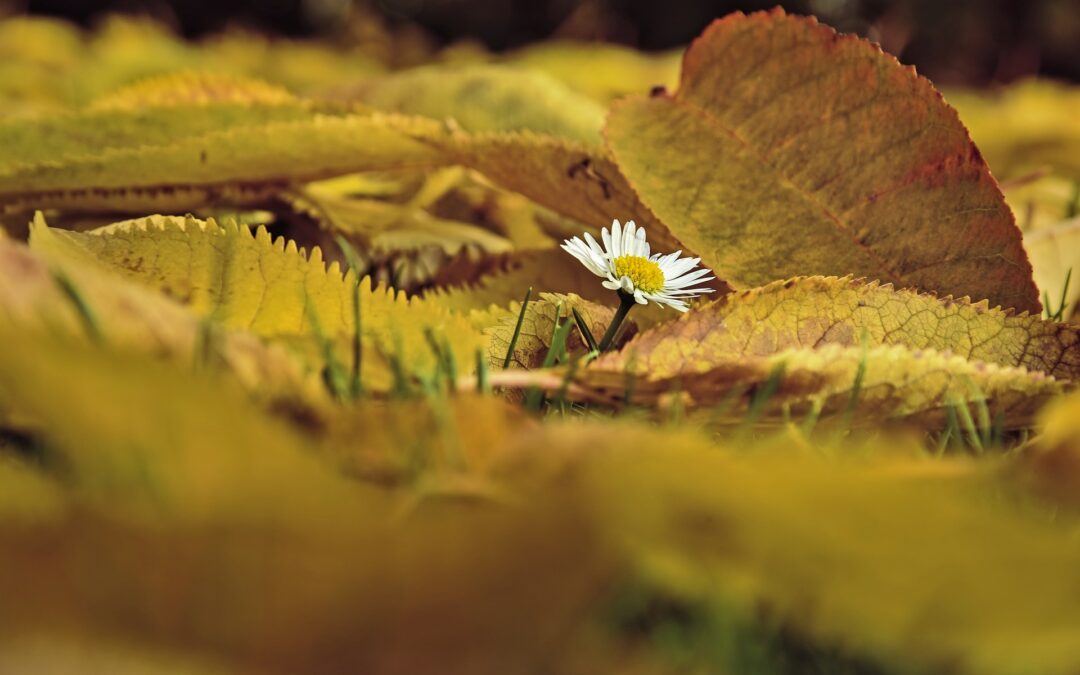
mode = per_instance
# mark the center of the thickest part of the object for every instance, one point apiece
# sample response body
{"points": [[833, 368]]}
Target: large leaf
{"points": [[489, 98], [789, 149], [191, 154], [810, 311], [247, 281]]}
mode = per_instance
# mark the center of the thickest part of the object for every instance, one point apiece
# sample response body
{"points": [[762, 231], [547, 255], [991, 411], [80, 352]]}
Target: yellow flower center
{"points": [[645, 274]]}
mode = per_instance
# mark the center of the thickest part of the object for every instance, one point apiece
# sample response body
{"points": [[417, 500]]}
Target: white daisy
{"points": [[625, 263]]}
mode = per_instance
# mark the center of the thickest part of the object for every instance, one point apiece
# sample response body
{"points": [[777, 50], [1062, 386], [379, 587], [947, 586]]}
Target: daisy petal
{"points": [[629, 247], [593, 246], [577, 248], [615, 250], [641, 246]]}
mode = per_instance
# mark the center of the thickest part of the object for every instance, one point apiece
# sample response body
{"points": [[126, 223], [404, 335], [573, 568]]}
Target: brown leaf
{"points": [[789, 149]]}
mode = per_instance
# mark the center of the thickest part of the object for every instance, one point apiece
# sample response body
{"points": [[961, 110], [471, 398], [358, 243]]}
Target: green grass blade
{"points": [[356, 384], [856, 386], [517, 329], [763, 393], [483, 384], [583, 328], [334, 375], [86, 313], [558, 346], [968, 425]]}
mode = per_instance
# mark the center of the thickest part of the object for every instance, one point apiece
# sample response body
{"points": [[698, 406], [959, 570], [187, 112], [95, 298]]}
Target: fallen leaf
{"points": [[247, 281], [485, 98], [789, 149], [807, 312]]}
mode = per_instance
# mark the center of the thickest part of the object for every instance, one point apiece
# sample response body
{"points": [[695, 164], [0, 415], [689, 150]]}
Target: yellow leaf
{"points": [[152, 441], [873, 385], [384, 227], [810, 311], [1025, 127], [604, 71], [248, 282], [185, 156], [568, 177], [488, 98], [905, 563], [75, 656], [29, 495], [788, 150], [429, 442], [127, 316], [188, 504], [1054, 251], [181, 89]]}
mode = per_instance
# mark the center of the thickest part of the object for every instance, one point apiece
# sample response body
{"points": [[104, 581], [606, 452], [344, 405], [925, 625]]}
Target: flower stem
{"points": [[627, 302]]}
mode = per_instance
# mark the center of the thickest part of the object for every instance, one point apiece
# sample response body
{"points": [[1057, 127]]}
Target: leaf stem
{"points": [[626, 304]]}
